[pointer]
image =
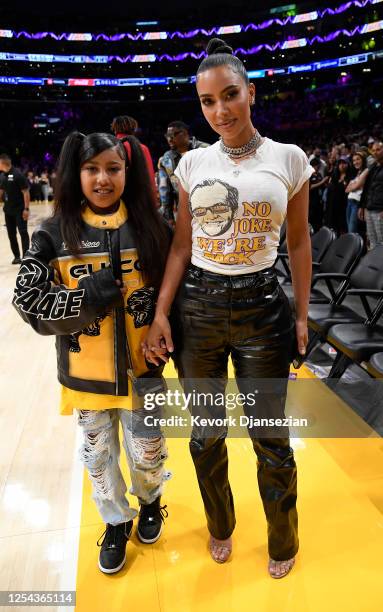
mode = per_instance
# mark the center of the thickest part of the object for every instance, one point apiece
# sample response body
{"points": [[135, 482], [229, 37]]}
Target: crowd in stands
{"points": [[336, 186], [41, 184], [331, 124]]}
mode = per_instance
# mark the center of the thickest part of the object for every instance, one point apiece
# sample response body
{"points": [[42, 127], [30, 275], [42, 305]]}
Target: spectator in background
{"points": [[315, 196], [370, 157], [354, 190], [322, 169], [15, 192], [335, 216], [372, 198], [37, 192], [124, 126], [346, 152], [45, 186], [178, 137], [53, 183]]}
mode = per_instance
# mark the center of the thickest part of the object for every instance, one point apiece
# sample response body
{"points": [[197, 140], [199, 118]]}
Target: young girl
{"points": [[90, 278], [234, 197]]}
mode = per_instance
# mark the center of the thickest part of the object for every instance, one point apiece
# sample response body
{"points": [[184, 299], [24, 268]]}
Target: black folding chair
{"points": [[357, 342], [365, 281], [339, 261], [320, 242], [375, 366]]}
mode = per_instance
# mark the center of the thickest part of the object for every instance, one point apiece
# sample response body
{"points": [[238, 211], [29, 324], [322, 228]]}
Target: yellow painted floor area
{"points": [[339, 565]]}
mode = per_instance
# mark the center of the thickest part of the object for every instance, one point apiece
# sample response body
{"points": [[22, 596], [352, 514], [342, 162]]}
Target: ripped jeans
{"points": [[145, 451]]}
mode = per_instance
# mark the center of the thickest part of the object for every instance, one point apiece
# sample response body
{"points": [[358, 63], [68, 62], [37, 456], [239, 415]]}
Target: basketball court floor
{"points": [[49, 525]]}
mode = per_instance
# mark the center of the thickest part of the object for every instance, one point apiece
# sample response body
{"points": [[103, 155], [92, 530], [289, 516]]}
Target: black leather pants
{"points": [[249, 318]]}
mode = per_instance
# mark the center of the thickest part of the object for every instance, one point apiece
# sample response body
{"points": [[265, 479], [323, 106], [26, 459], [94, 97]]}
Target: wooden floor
{"points": [[49, 524]]}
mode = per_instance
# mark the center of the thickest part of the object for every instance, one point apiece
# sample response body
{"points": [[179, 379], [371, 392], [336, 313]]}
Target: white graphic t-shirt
{"points": [[238, 209]]}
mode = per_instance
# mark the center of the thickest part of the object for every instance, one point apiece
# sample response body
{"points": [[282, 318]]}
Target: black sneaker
{"points": [[17, 260], [150, 521], [112, 554]]}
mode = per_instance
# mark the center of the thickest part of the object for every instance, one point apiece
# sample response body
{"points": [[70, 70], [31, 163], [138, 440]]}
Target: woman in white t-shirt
{"points": [[234, 197], [354, 190]]}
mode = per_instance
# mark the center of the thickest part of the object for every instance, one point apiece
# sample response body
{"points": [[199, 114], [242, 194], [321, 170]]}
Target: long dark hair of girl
{"points": [[151, 234]]}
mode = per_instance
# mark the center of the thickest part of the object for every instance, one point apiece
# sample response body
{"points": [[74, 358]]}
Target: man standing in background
{"points": [[14, 191], [371, 202], [178, 137]]}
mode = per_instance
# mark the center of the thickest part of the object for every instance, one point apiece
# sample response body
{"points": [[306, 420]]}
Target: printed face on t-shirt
{"points": [[213, 206]]}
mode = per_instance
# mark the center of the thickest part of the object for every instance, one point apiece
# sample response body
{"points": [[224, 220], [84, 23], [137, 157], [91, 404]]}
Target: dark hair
{"points": [[179, 125], [220, 54], [123, 124], [336, 171], [315, 161], [363, 157], [151, 234], [5, 158]]}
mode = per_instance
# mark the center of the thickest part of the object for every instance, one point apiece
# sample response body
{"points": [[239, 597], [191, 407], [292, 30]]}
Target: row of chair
{"points": [[339, 263]]}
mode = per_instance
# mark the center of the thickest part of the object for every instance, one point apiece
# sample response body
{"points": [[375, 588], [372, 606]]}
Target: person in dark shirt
{"points": [[14, 191], [371, 209], [335, 216], [315, 198]]}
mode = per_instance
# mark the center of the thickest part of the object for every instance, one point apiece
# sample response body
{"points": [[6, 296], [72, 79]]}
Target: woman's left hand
{"points": [[302, 335]]}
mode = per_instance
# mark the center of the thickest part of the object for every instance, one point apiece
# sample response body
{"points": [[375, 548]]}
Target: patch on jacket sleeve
{"points": [[140, 306]]}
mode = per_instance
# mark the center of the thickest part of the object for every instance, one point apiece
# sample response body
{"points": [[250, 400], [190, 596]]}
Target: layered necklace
{"points": [[247, 149]]}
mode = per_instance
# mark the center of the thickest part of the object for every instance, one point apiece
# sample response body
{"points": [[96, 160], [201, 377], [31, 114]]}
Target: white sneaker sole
{"points": [[111, 571], [145, 541]]}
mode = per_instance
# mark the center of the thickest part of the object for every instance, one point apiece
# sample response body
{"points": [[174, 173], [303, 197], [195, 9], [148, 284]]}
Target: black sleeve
{"points": [[363, 199], [52, 308], [22, 181]]}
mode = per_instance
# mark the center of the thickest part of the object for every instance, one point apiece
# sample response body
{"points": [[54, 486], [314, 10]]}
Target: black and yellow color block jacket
{"points": [[77, 299]]}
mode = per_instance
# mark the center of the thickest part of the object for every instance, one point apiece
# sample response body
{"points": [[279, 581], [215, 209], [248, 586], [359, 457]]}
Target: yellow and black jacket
{"points": [[77, 299]]}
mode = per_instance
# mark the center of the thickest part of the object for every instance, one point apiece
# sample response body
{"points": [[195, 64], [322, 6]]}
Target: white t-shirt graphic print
{"points": [[238, 209]]}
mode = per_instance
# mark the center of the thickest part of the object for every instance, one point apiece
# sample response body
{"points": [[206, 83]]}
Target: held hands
{"points": [[158, 342]]}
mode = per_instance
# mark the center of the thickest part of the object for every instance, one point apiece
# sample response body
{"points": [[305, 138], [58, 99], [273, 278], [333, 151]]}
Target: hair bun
{"points": [[217, 45]]}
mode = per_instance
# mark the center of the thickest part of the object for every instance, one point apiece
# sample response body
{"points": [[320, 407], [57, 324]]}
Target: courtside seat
{"points": [[366, 282], [335, 268], [357, 341], [323, 316], [375, 365], [320, 242]]}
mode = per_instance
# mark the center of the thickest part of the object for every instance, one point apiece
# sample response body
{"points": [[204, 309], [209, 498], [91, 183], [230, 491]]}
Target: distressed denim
{"points": [[145, 451]]}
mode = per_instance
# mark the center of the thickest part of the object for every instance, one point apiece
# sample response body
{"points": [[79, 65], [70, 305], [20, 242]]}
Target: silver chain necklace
{"points": [[246, 149]]}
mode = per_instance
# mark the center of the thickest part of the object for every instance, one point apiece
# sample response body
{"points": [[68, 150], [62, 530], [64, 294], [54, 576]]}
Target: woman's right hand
{"points": [[158, 342]]}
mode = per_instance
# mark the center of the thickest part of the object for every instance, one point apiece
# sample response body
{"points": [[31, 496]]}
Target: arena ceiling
{"points": [[90, 15]]}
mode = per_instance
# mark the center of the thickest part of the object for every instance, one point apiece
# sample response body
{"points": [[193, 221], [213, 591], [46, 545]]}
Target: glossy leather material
{"points": [[249, 318]]}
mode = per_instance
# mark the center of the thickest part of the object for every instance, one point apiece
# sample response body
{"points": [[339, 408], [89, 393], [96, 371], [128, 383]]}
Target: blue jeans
{"points": [[352, 215], [145, 451]]}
